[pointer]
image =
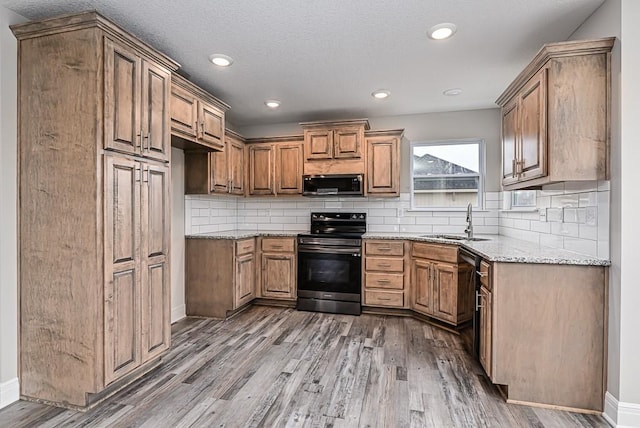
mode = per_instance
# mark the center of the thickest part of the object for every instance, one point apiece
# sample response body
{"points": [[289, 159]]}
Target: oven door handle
{"points": [[329, 250]]}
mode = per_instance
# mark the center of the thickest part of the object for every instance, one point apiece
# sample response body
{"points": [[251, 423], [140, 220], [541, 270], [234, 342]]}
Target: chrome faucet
{"points": [[469, 229]]}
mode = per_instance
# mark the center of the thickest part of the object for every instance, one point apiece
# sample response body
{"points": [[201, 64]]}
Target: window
{"points": [[523, 199], [447, 174]]}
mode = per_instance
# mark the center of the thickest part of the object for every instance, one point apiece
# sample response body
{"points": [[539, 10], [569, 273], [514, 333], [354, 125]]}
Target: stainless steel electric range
{"points": [[330, 263]]}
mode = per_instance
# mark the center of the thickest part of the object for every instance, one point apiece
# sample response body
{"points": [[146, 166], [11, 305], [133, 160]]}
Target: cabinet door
{"points": [[122, 267], [156, 87], [278, 276], [533, 128], [383, 168], [318, 144], [486, 309], [236, 166], [184, 113], [211, 124], [445, 292], [219, 170], [347, 142], [244, 280], [261, 169], [122, 76], [509, 143], [155, 282], [288, 168], [421, 280]]}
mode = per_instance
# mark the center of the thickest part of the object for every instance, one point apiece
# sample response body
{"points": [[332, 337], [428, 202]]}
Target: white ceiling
{"points": [[323, 58]]}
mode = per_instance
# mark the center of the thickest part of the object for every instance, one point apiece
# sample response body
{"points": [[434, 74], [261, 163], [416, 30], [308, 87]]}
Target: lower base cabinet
{"points": [[442, 289], [277, 273], [544, 332], [219, 275]]}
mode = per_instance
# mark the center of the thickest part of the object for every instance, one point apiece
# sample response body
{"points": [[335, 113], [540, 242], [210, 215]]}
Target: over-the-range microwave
{"points": [[333, 185]]}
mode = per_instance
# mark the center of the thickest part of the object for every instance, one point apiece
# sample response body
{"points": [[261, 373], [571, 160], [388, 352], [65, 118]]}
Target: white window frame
{"points": [[481, 174]]}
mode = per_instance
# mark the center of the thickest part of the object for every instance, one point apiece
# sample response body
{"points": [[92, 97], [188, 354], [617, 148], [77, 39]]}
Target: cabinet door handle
{"points": [[138, 142], [137, 173], [145, 175], [478, 298], [202, 128], [147, 139], [514, 168], [482, 274]]}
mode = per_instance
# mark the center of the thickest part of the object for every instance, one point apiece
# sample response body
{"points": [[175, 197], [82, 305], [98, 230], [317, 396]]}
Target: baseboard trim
{"points": [[178, 313], [9, 392], [620, 414]]}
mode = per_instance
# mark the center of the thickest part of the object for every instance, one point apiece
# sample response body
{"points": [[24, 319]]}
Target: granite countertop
{"points": [[498, 248], [242, 234]]}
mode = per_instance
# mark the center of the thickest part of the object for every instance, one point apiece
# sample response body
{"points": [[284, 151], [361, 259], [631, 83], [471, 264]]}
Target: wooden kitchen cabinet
{"points": [[557, 359], [197, 117], [94, 208], [136, 103], [334, 147], [555, 116], [275, 166], [219, 275], [383, 162], [385, 273], [216, 172], [485, 305], [277, 273], [137, 292], [442, 288]]}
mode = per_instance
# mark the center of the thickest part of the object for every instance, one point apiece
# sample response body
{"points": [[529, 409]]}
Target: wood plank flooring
{"points": [[275, 367]]}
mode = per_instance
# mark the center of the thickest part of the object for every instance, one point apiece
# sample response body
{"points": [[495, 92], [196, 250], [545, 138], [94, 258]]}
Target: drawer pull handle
{"points": [[383, 281], [384, 298], [384, 265], [276, 246], [384, 249]]}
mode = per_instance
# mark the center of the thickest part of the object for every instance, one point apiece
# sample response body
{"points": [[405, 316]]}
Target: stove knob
{"points": [[354, 216], [361, 215]]}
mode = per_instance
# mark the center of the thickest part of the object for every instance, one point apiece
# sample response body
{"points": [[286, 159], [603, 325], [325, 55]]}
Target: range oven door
{"points": [[329, 279], [329, 272]]}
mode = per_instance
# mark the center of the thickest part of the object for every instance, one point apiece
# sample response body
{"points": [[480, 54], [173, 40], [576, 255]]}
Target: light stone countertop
{"points": [[242, 234], [497, 248], [500, 248]]}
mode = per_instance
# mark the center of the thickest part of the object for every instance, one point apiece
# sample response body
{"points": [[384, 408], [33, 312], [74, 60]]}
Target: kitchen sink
{"points": [[454, 237]]}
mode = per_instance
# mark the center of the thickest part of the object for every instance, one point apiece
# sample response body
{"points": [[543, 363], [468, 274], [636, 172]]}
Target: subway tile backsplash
{"points": [[202, 214], [573, 216]]}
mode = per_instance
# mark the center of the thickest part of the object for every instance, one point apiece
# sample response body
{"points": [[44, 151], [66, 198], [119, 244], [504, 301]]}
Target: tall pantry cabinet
{"points": [[94, 208]]}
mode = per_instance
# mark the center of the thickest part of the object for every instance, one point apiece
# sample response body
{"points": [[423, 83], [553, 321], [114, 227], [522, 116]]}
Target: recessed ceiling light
{"points": [[272, 103], [452, 92], [380, 94], [442, 31], [221, 60]]}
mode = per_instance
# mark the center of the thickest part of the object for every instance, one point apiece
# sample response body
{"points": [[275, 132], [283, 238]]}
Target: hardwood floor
{"points": [[273, 367]]}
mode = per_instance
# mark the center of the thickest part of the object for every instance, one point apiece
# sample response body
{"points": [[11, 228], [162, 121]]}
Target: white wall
{"points": [[9, 390], [483, 124], [177, 235], [619, 18]]}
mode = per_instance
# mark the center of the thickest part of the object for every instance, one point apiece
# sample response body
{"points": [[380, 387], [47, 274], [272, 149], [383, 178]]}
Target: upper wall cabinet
{"points": [[136, 103], [334, 147], [275, 166], [197, 118], [383, 162], [555, 116]]}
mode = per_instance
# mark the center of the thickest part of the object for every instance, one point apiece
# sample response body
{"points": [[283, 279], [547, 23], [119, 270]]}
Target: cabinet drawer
{"points": [[485, 275], [245, 246], [384, 265], [444, 253], [384, 248], [384, 280], [278, 245], [384, 298]]}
